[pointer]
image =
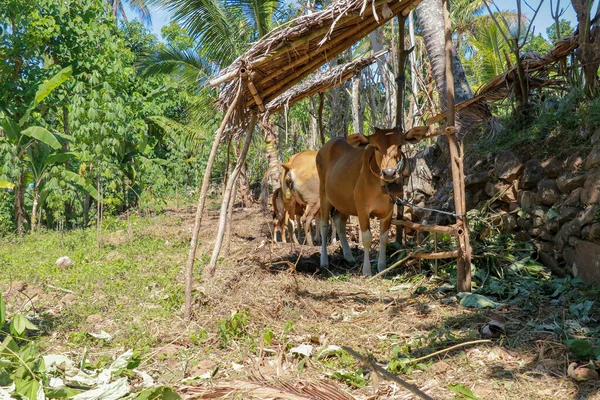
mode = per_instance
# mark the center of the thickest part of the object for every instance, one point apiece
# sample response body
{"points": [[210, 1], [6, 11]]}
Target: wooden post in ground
{"points": [[463, 279], [227, 197], [189, 268]]}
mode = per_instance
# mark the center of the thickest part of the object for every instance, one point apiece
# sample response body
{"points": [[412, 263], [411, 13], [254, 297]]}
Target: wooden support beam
{"points": [[449, 230], [249, 77], [463, 278]]}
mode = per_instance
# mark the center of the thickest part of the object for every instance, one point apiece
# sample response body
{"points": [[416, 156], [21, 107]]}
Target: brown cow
{"points": [[301, 179], [353, 172], [286, 216]]}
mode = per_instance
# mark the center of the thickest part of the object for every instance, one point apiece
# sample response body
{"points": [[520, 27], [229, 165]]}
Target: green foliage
{"points": [[233, 327], [462, 392], [565, 30]]}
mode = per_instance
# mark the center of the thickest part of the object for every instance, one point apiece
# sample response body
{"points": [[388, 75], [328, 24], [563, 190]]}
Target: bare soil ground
{"points": [[267, 299]]}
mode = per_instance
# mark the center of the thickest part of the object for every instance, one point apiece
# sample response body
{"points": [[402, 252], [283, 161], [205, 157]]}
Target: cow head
{"points": [[387, 145]]}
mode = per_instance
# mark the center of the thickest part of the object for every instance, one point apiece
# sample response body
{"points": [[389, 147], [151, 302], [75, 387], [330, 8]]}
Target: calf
{"points": [[353, 174], [286, 215]]}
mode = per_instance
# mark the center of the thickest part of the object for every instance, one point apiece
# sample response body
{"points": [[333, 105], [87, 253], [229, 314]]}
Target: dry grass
{"points": [[377, 317]]}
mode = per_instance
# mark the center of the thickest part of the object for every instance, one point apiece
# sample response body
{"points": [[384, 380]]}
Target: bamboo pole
{"points": [[200, 208], [449, 230], [227, 197], [438, 255], [253, 91], [463, 279]]}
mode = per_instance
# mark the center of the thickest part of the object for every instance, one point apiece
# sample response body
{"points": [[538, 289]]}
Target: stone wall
{"points": [[553, 203]]}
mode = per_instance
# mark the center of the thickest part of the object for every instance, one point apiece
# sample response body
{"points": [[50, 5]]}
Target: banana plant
{"points": [[35, 149]]}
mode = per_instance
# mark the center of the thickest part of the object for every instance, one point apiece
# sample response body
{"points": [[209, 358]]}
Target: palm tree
{"points": [[431, 21], [140, 7]]}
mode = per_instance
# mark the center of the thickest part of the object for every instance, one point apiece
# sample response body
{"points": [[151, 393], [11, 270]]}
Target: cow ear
{"points": [[357, 140], [416, 134]]}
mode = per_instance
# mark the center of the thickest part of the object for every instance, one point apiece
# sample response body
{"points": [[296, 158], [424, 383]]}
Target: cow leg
{"points": [[274, 236], [317, 229], [365, 228], [384, 230], [292, 227], [333, 238], [325, 210], [340, 223], [309, 215]]}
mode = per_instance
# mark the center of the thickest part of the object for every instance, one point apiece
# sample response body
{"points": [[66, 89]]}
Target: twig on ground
{"points": [[387, 374], [59, 288], [391, 267], [457, 346]]}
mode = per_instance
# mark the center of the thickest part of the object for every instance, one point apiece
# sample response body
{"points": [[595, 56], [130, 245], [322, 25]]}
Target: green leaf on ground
{"points": [[476, 301]]}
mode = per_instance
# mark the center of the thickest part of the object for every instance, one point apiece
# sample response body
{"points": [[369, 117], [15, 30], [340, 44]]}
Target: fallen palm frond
{"points": [[293, 51], [264, 388], [502, 86]]}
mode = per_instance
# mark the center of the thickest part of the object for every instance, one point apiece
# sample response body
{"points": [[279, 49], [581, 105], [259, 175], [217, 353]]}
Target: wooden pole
{"points": [[227, 197], [189, 268], [463, 279]]}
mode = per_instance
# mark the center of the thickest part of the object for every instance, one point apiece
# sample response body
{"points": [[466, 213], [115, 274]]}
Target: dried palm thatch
{"points": [[322, 81], [293, 51], [267, 389], [502, 86]]}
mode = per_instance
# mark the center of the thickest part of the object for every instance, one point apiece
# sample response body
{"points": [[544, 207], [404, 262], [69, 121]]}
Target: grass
{"points": [[249, 316]]}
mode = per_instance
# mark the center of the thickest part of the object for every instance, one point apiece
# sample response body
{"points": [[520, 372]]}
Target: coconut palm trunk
{"points": [[431, 20]]}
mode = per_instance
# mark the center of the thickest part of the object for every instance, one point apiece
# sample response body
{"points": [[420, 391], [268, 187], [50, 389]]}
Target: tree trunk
{"points": [[386, 77], [314, 123], [189, 268], [340, 102], [229, 222], [272, 159], [320, 117], [34, 208], [358, 117], [431, 20], [20, 214], [227, 197], [414, 85], [589, 44]]}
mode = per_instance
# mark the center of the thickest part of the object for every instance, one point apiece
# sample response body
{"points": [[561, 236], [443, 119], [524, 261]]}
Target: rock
{"points": [[552, 226], [524, 223], [575, 161], [569, 257], [509, 223], [548, 192], [594, 233], [64, 262], [439, 367], [552, 167], [574, 198], [585, 231], [571, 228], [532, 174], [537, 222], [593, 159], [68, 299], [591, 189], [507, 192], [568, 182], [527, 199], [541, 233], [420, 178], [595, 139], [565, 214], [521, 237], [546, 247], [476, 178], [94, 319], [539, 211], [586, 265], [589, 215], [18, 286], [507, 166], [514, 206], [203, 367]]}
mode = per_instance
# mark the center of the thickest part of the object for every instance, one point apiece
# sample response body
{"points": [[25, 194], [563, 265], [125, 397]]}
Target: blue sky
{"points": [[542, 21]]}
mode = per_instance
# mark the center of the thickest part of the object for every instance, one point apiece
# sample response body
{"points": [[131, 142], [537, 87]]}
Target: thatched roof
{"points": [[322, 81], [293, 51]]}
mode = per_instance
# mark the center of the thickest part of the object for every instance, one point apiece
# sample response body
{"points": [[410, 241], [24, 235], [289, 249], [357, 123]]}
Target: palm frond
{"points": [[185, 65]]}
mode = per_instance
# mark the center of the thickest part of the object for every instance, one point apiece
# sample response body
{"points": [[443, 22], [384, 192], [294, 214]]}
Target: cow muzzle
{"points": [[389, 174]]}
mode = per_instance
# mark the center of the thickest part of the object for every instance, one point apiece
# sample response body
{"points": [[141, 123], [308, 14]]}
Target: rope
{"points": [[401, 202]]}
